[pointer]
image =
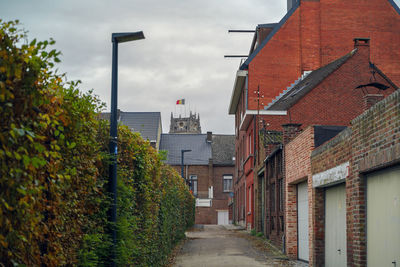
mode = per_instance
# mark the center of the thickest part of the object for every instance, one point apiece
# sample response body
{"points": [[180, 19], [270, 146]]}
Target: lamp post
{"points": [[182, 157], [116, 38]]}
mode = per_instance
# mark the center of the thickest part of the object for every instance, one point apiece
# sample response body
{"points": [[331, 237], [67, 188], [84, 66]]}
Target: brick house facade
{"points": [[310, 35], [208, 170], [329, 96]]}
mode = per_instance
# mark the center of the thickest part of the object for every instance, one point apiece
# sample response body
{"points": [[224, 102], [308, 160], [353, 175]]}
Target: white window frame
{"points": [[227, 177], [193, 177]]}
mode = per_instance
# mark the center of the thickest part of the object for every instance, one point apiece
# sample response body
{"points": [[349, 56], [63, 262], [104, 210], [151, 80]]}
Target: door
{"points": [[302, 220], [335, 226], [383, 218], [223, 217]]}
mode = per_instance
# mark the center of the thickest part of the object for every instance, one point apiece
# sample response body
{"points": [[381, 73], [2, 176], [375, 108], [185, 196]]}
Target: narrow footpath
{"points": [[215, 245]]}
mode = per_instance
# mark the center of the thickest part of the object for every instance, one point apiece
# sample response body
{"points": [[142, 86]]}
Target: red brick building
{"points": [[208, 170], [356, 188], [311, 34], [287, 196]]}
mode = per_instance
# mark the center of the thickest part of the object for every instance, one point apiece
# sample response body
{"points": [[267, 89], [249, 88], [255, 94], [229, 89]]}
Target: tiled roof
{"points": [[146, 123], [223, 149], [174, 143], [293, 94], [324, 133]]}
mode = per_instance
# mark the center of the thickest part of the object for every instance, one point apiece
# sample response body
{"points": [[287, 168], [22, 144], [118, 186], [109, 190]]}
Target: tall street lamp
{"points": [[182, 156], [116, 38]]}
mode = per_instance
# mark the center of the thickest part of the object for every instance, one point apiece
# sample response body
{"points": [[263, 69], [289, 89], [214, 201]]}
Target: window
{"points": [[273, 197], [227, 183], [280, 194], [249, 200], [249, 148], [193, 184]]}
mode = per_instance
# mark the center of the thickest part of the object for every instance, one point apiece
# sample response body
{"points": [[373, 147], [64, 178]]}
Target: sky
{"points": [[181, 57]]}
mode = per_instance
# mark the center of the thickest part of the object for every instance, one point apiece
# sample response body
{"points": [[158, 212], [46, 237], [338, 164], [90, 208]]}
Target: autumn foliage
{"points": [[54, 171]]}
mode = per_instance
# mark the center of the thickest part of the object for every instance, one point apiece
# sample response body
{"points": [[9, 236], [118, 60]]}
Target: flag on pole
{"points": [[180, 102]]}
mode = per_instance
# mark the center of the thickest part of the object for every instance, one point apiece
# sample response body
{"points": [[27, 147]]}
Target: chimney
{"points": [[290, 131], [209, 137], [362, 45], [371, 99], [290, 4]]}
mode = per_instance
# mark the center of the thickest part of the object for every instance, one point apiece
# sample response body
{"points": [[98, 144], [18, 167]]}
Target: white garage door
{"points": [[223, 217], [383, 218], [335, 226], [302, 220]]}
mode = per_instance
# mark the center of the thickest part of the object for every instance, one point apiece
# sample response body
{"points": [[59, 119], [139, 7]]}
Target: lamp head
{"points": [[122, 37]]}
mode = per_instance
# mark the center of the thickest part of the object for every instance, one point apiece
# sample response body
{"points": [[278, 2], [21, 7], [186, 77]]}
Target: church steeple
{"points": [[185, 125]]}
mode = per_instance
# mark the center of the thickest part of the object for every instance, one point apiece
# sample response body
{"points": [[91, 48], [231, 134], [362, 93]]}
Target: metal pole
{"points": [[182, 153], [113, 149]]}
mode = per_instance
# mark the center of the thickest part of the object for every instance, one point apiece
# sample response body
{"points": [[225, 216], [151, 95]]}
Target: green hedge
{"points": [[54, 168]]}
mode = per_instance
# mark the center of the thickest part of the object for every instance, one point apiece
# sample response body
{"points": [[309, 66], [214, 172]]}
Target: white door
{"points": [[335, 226], [223, 217], [302, 220], [383, 218]]}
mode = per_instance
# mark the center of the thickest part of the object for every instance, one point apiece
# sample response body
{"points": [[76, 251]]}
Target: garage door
{"points": [[302, 219], [335, 226], [223, 217], [383, 218]]}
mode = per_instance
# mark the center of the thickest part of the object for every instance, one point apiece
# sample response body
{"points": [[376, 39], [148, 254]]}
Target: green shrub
{"points": [[54, 172], [253, 232], [259, 234]]}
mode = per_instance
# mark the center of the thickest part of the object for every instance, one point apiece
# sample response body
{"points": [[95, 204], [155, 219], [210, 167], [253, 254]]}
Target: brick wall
{"points": [[327, 156], [297, 169], [335, 98], [372, 143], [209, 175], [319, 32]]}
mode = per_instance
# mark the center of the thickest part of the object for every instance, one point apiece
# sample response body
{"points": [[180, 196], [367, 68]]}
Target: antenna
{"points": [[238, 31]]}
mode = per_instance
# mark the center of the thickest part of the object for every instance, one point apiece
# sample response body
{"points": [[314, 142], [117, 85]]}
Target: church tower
{"points": [[186, 125]]}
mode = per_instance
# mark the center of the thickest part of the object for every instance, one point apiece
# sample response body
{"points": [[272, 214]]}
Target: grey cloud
{"points": [[181, 57]]}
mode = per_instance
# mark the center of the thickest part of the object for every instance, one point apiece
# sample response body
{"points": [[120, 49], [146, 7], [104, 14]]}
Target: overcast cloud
{"points": [[181, 57]]}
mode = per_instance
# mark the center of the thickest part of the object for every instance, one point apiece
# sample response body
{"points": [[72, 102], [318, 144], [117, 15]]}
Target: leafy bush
{"points": [[54, 169], [260, 234], [253, 232]]}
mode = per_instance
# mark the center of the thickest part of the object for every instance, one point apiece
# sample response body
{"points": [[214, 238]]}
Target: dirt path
{"points": [[215, 246]]}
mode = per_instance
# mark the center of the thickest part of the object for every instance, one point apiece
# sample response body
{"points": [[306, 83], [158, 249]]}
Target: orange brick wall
{"points": [[297, 169]]}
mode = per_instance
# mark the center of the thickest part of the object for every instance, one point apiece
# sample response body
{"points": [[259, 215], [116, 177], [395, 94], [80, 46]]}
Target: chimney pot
{"points": [[361, 42], [209, 137]]}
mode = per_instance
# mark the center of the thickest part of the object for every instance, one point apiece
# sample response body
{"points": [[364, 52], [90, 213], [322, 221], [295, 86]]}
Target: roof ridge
{"points": [[290, 87]]}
